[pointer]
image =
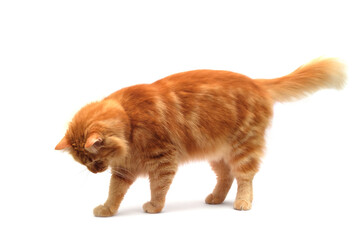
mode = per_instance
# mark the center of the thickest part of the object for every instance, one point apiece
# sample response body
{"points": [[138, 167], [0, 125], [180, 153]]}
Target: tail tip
{"points": [[336, 68]]}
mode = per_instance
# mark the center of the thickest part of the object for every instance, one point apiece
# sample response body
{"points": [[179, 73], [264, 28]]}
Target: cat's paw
{"points": [[151, 207], [211, 199], [103, 211], [241, 204]]}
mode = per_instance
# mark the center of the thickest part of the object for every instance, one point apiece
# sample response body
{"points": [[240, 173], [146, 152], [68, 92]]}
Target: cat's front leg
{"points": [[160, 181], [117, 190]]}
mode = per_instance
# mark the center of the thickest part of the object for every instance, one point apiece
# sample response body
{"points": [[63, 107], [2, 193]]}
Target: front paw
{"points": [[103, 211]]}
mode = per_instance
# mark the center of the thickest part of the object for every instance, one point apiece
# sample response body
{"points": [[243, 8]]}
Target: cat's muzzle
{"points": [[97, 167]]}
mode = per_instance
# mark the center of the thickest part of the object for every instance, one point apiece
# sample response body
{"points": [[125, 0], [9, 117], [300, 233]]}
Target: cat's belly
{"points": [[208, 153]]}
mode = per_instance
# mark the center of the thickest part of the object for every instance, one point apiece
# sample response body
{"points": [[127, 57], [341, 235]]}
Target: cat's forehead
{"points": [[76, 141], [76, 135], [80, 147], [80, 154]]}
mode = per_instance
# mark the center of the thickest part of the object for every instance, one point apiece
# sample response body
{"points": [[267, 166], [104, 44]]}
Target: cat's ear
{"points": [[94, 141], [63, 144]]}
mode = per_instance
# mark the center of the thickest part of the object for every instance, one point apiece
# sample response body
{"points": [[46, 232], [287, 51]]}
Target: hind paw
{"points": [[241, 204], [213, 199]]}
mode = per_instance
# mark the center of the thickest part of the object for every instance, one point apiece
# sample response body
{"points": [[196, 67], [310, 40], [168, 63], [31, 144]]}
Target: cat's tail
{"points": [[313, 76]]}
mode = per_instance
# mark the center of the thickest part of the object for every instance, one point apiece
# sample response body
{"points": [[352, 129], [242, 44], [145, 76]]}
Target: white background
{"points": [[56, 56]]}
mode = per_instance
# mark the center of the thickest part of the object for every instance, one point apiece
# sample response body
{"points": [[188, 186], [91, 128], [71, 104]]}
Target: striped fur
{"points": [[221, 116]]}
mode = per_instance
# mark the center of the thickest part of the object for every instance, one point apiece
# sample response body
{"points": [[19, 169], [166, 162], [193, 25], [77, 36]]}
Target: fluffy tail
{"points": [[311, 77]]}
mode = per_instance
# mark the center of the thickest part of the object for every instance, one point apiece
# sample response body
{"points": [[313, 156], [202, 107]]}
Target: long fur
{"points": [[221, 116], [317, 74]]}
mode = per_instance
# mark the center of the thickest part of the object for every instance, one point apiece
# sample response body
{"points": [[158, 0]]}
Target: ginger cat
{"points": [[150, 129]]}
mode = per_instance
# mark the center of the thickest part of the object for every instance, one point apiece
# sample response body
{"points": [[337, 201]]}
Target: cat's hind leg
{"points": [[224, 182], [244, 170], [244, 164]]}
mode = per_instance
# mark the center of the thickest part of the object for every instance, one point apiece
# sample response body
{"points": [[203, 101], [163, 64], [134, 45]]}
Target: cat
{"points": [[151, 129]]}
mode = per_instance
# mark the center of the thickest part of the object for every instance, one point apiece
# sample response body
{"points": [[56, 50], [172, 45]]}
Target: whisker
{"points": [[122, 172]]}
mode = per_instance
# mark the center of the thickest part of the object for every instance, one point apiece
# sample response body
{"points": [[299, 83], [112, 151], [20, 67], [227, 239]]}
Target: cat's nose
{"points": [[99, 166], [93, 170]]}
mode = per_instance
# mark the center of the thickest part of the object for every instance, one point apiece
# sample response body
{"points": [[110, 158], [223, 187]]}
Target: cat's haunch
{"points": [[221, 116]]}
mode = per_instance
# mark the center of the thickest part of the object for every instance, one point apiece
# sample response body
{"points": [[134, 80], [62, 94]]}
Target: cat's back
{"points": [[193, 89], [195, 81], [203, 77]]}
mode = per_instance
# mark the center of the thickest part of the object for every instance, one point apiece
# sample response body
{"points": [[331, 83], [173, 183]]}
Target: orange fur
{"points": [[150, 129]]}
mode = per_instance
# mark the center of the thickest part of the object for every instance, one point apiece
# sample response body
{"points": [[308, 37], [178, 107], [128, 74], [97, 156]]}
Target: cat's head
{"points": [[97, 135]]}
